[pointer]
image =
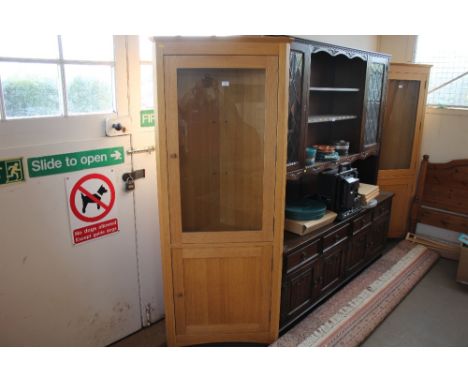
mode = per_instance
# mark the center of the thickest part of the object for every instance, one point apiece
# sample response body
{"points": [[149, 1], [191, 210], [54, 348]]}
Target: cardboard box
{"points": [[462, 272], [303, 227]]}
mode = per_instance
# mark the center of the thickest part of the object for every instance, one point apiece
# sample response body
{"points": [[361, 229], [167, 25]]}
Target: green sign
{"points": [[147, 118], [82, 160], [11, 171]]}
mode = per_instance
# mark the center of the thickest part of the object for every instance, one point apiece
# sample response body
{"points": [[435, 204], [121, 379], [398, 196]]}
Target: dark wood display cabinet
{"points": [[335, 93], [317, 264]]}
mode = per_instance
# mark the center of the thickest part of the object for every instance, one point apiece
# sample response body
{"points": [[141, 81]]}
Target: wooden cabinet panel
{"points": [[332, 266], [334, 237], [297, 258], [300, 290], [362, 221], [222, 289], [377, 238], [356, 255], [403, 190]]}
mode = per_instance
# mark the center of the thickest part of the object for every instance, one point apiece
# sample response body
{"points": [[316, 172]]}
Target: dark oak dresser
{"points": [[317, 264]]}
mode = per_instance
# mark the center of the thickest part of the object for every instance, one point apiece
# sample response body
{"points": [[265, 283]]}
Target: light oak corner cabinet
{"points": [[221, 144], [402, 132]]}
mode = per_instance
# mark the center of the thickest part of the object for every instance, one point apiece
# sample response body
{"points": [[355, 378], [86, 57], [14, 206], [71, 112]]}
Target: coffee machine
{"points": [[338, 188]]}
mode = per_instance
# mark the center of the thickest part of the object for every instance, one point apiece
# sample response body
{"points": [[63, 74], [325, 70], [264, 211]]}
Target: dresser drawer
{"points": [[335, 237], [295, 259], [362, 221], [382, 209]]}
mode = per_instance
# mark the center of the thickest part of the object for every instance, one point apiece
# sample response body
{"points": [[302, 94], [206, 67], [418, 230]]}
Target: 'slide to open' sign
{"points": [[82, 160]]}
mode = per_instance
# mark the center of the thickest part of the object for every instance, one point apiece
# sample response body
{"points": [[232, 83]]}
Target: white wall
{"points": [[402, 48], [365, 42]]}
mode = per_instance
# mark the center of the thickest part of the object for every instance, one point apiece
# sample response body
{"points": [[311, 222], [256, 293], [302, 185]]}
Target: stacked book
{"points": [[368, 192]]}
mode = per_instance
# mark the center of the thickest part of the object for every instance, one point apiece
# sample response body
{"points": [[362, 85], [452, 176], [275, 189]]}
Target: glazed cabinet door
{"points": [[221, 132], [374, 101], [401, 139], [299, 69]]}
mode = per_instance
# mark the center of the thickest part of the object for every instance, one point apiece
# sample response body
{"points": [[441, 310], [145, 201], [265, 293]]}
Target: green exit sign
{"points": [[69, 162], [147, 118], [11, 170]]}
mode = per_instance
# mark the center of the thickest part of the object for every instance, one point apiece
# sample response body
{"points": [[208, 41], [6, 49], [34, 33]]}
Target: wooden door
{"points": [[357, 251], [221, 290], [224, 145], [332, 266], [300, 290], [401, 139]]}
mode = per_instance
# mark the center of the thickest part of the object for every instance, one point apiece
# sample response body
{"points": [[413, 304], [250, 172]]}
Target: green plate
{"points": [[306, 209]]}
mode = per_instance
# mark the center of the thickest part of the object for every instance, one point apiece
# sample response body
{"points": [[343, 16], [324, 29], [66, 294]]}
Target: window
{"points": [[56, 76], [449, 57], [147, 116]]}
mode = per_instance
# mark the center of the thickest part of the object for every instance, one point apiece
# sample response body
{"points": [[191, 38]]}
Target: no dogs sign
{"points": [[92, 205]]}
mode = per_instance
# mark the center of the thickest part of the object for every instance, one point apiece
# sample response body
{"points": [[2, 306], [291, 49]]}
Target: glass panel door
{"points": [[399, 124], [221, 116], [221, 134]]}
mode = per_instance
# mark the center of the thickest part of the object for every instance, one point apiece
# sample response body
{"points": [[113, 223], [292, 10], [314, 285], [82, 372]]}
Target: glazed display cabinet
{"points": [[221, 145]]}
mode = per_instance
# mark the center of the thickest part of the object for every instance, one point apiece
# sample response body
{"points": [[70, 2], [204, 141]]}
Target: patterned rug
{"points": [[351, 314]]}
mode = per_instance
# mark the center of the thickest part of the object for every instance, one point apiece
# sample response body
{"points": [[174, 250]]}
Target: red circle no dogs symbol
{"points": [[93, 189]]}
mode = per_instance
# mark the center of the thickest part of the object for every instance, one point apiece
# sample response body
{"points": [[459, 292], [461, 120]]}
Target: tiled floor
{"points": [[435, 313]]}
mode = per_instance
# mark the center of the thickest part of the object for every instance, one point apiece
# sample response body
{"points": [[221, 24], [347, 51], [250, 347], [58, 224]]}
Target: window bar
{"points": [[2, 103], [63, 79], [447, 83]]}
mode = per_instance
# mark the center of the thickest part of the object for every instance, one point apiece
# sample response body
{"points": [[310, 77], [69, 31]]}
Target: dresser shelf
{"points": [[333, 89], [329, 118]]}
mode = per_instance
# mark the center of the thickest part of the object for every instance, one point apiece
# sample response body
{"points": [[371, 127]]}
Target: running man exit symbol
{"points": [[11, 171]]}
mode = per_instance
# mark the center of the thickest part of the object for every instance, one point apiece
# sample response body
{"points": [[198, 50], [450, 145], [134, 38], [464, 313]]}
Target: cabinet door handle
{"points": [[173, 156]]}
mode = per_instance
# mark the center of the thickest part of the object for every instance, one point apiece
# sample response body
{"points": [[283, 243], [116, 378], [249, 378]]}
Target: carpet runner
{"points": [[350, 315]]}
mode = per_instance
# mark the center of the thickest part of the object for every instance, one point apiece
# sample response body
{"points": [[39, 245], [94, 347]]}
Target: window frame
{"points": [[463, 109], [63, 96]]}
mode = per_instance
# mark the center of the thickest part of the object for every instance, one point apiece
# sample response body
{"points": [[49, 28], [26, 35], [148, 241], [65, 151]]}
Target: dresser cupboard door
{"points": [[332, 266], [357, 252], [378, 236], [300, 290]]}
